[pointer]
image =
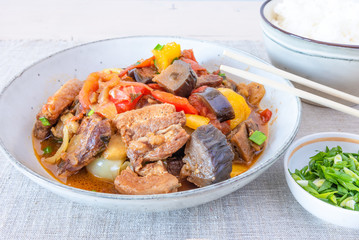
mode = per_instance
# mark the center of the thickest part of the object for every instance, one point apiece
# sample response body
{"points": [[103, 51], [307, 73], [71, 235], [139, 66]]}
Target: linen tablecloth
{"points": [[264, 209]]}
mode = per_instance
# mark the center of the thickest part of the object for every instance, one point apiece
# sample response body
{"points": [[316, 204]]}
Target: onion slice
{"points": [[65, 142]]}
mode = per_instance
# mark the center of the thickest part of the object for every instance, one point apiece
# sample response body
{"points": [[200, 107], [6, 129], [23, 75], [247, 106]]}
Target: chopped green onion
{"points": [[258, 137], [44, 121], [90, 112], [47, 150], [158, 47], [318, 182], [222, 74], [333, 177]]}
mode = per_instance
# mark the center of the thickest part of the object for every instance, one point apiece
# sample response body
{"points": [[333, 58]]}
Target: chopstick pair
{"points": [[297, 92]]}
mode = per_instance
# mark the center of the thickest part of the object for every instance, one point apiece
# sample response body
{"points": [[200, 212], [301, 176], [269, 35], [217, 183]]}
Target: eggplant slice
{"points": [[178, 78], [217, 103], [208, 157]]}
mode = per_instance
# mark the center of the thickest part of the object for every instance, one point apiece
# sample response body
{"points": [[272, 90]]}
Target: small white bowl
{"points": [[297, 156], [334, 65]]}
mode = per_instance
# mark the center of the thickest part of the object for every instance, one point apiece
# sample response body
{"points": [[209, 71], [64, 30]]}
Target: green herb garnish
{"points": [[47, 150], [90, 112], [222, 74], [158, 47], [44, 121], [258, 137], [333, 177]]}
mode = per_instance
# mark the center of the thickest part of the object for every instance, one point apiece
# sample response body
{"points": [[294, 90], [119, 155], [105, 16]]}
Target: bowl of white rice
{"points": [[316, 39]]}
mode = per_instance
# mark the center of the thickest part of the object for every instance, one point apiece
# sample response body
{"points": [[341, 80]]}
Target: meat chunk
{"points": [[155, 180], [143, 75], [174, 163], [245, 149], [208, 157], [55, 106], [158, 145], [152, 133], [91, 139], [253, 91], [211, 80]]}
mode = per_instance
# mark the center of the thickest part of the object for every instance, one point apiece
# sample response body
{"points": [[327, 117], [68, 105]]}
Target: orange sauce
{"points": [[85, 180]]}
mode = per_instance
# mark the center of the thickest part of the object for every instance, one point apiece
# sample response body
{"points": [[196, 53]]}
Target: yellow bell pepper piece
{"points": [[165, 56], [237, 169], [195, 121], [239, 104]]}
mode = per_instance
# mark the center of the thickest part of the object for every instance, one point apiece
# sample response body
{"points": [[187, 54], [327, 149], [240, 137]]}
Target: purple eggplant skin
{"points": [[208, 157], [217, 103], [142, 75], [178, 79]]}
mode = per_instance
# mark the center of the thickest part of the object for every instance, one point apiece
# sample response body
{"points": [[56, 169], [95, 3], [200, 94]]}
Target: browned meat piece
{"points": [[146, 100], [91, 138], [175, 163], [174, 166], [208, 157], [253, 91], [143, 75], [158, 145], [55, 106], [155, 180], [211, 80], [152, 133], [245, 149], [228, 83]]}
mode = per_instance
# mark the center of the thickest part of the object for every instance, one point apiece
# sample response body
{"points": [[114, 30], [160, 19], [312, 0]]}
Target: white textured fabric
{"points": [[264, 209]]}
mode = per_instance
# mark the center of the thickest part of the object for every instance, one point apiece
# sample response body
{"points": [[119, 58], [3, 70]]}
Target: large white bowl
{"points": [[334, 65], [24, 96], [297, 157]]}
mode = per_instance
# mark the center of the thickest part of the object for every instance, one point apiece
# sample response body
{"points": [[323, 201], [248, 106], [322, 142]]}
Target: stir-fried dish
{"points": [[161, 125]]}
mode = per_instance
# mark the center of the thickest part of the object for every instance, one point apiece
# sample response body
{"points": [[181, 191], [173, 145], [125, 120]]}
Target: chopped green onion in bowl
{"points": [[333, 177]]}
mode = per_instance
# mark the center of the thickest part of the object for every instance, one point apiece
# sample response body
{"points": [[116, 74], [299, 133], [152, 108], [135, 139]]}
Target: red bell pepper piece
{"points": [[90, 86], [126, 95], [180, 103], [266, 115], [145, 63], [155, 86], [188, 53]]}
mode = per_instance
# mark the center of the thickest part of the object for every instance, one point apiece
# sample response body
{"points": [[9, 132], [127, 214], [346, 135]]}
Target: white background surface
{"points": [[264, 209]]}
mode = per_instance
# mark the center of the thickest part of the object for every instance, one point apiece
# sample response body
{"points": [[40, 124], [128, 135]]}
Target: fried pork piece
{"points": [[55, 106], [153, 179], [244, 148], [253, 91], [152, 133], [91, 139], [211, 80]]}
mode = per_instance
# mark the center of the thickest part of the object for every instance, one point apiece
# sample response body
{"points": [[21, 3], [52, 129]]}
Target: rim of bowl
{"points": [[354, 46], [305, 139], [186, 193]]}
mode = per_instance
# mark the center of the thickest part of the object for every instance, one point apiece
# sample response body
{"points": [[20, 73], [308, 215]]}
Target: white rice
{"points": [[334, 21]]}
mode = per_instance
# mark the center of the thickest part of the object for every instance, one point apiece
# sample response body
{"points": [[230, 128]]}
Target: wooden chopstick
{"points": [[292, 90], [291, 77]]}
